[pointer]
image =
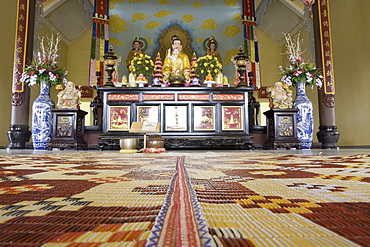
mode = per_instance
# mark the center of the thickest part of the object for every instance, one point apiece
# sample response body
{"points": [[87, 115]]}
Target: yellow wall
{"points": [[351, 53], [7, 34], [78, 59], [78, 68], [270, 59]]}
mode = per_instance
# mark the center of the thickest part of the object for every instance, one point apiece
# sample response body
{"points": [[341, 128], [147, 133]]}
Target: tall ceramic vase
{"points": [[304, 116], [42, 117]]}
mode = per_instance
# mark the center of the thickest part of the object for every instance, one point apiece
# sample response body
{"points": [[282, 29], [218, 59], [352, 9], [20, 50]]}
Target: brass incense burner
{"points": [[177, 79], [241, 62], [110, 60]]}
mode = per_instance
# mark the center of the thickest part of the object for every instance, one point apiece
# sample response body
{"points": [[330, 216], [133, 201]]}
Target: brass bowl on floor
{"points": [[155, 141], [129, 145]]}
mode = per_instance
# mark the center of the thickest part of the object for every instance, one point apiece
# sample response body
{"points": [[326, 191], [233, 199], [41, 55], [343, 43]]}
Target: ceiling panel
{"points": [[69, 18]]}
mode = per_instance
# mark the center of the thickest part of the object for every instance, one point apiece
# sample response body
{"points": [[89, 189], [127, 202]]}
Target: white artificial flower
{"points": [[318, 82], [33, 80], [287, 80], [309, 76], [52, 76], [24, 77]]}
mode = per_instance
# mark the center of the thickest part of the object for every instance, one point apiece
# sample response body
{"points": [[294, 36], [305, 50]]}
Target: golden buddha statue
{"points": [[176, 66]]}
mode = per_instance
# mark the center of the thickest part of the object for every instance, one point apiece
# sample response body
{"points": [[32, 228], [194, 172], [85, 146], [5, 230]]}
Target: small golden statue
{"points": [[280, 96], [209, 78], [70, 97]]}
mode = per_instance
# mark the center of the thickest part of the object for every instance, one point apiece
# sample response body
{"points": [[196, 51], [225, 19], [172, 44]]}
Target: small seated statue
{"points": [[70, 97], [141, 77], [141, 80], [280, 96], [209, 78]]}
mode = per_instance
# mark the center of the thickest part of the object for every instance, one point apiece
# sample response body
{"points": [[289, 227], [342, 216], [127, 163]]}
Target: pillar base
{"points": [[328, 136], [18, 135]]}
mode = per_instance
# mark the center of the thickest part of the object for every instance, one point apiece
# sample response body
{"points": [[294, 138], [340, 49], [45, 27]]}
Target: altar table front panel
{"points": [[190, 117]]}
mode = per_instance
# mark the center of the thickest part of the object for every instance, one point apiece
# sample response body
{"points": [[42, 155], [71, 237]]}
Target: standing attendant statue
{"points": [[137, 49], [212, 45]]}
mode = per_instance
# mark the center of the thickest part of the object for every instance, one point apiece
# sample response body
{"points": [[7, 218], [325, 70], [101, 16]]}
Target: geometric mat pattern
{"points": [[196, 199]]}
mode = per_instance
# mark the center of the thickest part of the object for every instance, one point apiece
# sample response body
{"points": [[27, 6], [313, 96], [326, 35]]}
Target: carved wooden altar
{"points": [[190, 117], [68, 129], [281, 129]]}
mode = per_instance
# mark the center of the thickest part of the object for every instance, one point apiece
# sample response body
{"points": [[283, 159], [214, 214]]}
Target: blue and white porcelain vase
{"points": [[42, 122], [304, 116]]}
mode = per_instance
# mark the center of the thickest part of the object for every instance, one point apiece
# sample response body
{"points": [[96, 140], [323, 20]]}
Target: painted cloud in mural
{"points": [[152, 24], [232, 30], [139, 17], [209, 24], [188, 18], [116, 24], [163, 13]]}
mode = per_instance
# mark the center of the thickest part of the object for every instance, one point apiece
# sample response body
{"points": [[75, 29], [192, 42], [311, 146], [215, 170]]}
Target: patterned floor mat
{"points": [[191, 199]]}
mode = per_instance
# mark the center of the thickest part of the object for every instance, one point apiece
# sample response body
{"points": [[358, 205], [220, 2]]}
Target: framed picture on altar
{"points": [[176, 118], [232, 118], [204, 118], [119, 118], [147, 114]]}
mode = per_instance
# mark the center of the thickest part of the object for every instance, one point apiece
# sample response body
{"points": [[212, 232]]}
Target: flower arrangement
{"points": [[299, 70], [142, 64], [208, 65], [44, 65]]}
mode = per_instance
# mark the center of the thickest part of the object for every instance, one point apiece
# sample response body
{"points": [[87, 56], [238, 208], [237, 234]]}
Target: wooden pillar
{"points": [[328, 135], [19, 132]]}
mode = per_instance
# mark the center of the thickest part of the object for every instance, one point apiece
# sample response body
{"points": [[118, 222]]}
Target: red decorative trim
{"points": [[101, 70], [155, 97], [326, 47], [228, 97], [123, 97], [179, 225], [202, 97]]}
